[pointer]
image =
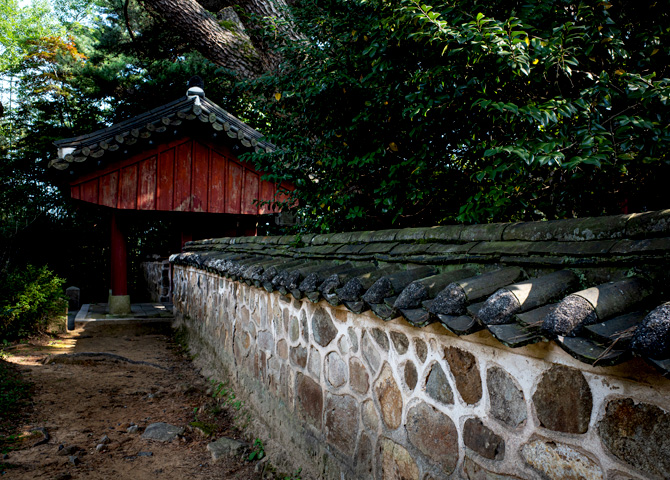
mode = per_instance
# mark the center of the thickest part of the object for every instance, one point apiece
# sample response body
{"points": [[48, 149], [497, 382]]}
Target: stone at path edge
{"points": [[162, 432]]}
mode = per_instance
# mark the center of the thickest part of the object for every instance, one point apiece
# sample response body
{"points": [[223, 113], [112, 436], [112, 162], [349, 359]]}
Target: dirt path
{"points": [[79, 403]]}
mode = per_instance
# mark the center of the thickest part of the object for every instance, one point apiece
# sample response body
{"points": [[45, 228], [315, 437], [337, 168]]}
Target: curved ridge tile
{"points": [[524, 296], [601, 302], [652, 337], [455, 296]]}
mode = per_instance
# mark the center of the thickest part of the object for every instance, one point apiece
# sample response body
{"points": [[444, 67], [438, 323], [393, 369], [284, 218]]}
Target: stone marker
{"points": [[74, 297]]}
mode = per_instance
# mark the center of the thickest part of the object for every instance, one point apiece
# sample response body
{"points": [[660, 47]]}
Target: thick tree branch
{"points": [[229, 48], [127, 17]]}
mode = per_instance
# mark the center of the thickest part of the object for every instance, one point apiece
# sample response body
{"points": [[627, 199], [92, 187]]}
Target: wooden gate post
{"points": [[119, 301]]}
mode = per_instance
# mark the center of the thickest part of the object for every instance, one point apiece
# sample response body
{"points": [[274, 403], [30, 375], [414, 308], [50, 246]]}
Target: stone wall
{"points": [[157, 280], [346, 395]]}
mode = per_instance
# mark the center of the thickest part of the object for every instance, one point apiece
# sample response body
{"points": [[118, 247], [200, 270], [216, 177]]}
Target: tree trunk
{"points": [[226, 44]]}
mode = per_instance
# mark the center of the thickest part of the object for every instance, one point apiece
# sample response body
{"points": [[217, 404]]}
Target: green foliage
{"points": [[226, 395], [258, 451], [20, 24], [293, 476], [14, 395], [207, 429], [29, 298], [404, 113]]}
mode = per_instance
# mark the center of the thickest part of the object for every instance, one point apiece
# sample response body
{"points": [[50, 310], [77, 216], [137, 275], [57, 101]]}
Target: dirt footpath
{"points": [[80, 402]]}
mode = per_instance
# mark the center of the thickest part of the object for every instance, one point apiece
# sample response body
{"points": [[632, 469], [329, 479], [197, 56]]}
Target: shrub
{"points": [[29, 297]]}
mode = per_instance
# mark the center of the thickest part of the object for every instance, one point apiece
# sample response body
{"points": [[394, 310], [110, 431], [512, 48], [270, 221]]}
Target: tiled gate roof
{"points": [[194, 111]]}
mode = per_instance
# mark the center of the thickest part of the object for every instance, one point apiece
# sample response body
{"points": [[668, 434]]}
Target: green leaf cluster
{"points": [[21, 24], [29, 298], [399, 113]]}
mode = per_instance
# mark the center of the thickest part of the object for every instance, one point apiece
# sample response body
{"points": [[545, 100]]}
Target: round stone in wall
{"points": [[434, 434], [389, 398], [421, 349], [638, 434], [365, 457], [304, 326], [481, 439], [474, 471], [465, 369], [507, 401], [309, 399], [400, 342], [294, 329], [358, 376], [341, 422], [343, 344], [397, 463], [381, 338], [277, 314], [563, 400], [353, 339], [410, 374], [282, 349], [314, 363], [285, 318], [370, 416], [437, 385], [558, 461], [298, 356], [323, 328], [263, 314], [370, 352], [336, 370], [243, 314]]}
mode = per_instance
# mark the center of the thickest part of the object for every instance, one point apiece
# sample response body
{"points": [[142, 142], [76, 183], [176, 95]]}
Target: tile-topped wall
{"points": [[347, 395]]}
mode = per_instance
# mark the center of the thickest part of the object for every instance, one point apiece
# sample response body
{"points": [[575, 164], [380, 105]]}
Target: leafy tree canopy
{"points": [[405, 113], [21, 24], [385, 113]]}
